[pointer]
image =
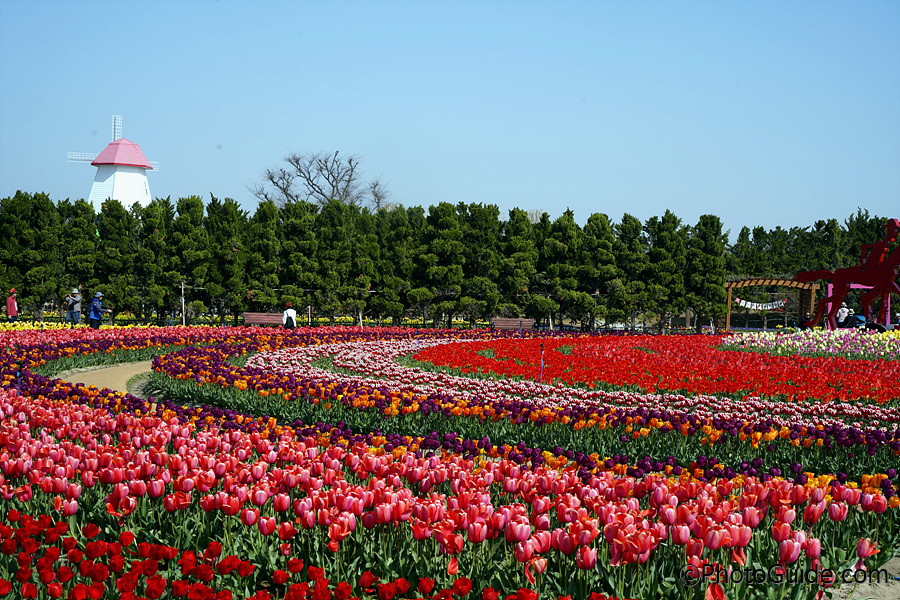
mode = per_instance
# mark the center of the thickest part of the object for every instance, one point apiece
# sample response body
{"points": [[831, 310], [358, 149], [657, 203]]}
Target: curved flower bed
{"points": [[300, 466], [687, 364], [679, 432]]}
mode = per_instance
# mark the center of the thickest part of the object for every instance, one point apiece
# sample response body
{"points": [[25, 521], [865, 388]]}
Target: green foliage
{"points": [[226, 277], [30, 252], [630, 294], [396, 263], [667, 258], [263, 245], [443, 259], [117, 255], [706, 269], [158, 280]]}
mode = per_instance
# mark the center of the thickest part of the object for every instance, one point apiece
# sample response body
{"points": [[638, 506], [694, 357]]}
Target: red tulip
{"points": [[426, 584], [781, 531], [462, 587]]}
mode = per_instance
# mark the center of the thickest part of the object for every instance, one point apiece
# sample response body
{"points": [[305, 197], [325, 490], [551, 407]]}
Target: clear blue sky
{"points": [[764, 113]]}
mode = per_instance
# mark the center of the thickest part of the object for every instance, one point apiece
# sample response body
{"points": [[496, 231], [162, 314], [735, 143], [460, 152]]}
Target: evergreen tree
{"points": [[365, 255], [861, 229], [78, 244], [226, 277], [518, 264], [630, 294], [399, 243], [706, 270], [263, 244], [825, 246], [190, 243], [30, 251], [667, 256], [737, 259], [298, 270], [116, 259], [442, 260], [158, 280], [597, 269], [558, 268], [335, 230], [481, 266]]}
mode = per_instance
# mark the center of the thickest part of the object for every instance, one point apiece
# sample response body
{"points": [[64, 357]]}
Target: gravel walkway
{"points": [[114, 378]]}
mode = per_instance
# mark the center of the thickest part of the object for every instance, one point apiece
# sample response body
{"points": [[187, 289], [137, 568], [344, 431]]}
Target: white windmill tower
{"points": [[121, 171]]}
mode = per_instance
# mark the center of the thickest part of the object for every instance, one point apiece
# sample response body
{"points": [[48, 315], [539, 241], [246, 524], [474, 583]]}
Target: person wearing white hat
{"points": [[842, 314], [73, 307]]}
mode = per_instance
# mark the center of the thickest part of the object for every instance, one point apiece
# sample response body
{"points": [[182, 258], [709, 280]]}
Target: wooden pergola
{"points": [[807, 292]]}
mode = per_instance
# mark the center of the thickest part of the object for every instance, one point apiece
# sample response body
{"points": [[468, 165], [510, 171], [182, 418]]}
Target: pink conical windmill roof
{"points": [[122, 152]]}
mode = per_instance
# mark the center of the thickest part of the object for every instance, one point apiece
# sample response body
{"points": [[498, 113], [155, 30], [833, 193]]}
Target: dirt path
{"points": [[869, 591], [114, 378]]}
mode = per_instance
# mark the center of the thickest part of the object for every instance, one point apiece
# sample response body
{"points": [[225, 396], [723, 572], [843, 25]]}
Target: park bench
{"points": [[514, 323], [262, 318]]}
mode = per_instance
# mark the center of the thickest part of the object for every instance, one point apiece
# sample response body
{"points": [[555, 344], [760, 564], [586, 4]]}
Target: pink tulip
{"points": [[266, 525], [789, 551], [523, 552], [837, 511], [668, 515], [813, 512], [715, 538], [680, 534], [69, 507], [281, 502], [586, 558], [813, 548], [786, 514], [477, 532], [517, 531], [694, 547], [259, 496], [865, 548], [741, 535], [249, 516]]}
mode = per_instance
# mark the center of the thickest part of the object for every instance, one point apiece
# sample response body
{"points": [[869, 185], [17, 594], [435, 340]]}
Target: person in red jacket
{"points": [[12, 307]]}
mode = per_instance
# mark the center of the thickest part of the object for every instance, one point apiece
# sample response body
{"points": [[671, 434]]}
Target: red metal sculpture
{"points": [[877, 268]]}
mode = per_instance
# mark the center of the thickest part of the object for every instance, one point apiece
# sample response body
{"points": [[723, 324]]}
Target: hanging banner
{"points": [[778, 305]]}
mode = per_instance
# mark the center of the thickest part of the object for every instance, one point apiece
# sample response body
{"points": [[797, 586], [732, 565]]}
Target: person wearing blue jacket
{"points": [[97, 310]]}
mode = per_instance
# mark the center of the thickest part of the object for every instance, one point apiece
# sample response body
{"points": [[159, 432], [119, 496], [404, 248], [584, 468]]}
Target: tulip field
{"points": [[389, 463]]}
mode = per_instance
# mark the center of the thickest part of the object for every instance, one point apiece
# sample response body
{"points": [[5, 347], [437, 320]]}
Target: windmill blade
{"points": [[155, 166], [116, 127], [80, 157]]}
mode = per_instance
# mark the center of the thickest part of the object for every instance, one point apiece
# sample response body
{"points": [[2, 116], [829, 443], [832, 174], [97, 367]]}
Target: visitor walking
{"points": [[73, 307], [12, 307], [289, 318], [97, 310]]}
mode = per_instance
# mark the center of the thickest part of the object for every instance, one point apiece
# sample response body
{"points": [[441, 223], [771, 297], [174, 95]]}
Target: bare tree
{"points": [[319, 177], [378, 196]]}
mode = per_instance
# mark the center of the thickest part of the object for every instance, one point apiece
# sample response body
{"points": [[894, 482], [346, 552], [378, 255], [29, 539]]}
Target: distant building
{"points": [[121, 171]]}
